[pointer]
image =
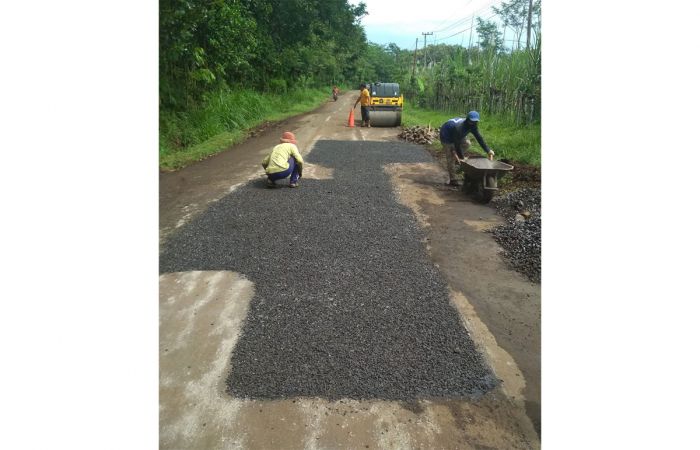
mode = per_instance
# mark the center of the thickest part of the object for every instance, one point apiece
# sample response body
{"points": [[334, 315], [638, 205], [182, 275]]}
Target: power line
{"points": [[449, 18], [484, 7], [466, 29], [465, 19], [452, 25], [459, 22]]}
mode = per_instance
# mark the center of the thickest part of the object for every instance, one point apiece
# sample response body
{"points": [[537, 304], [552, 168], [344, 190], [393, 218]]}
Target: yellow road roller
{"points": [[386, 105]]}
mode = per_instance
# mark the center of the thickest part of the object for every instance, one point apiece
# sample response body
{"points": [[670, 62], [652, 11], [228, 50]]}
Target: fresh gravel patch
{"points": [[521, 239], [348, 304]]}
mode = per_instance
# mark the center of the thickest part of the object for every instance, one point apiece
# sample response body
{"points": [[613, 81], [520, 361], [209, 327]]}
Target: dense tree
{"points": [[263, 44], [202, 44], [273, 45]]}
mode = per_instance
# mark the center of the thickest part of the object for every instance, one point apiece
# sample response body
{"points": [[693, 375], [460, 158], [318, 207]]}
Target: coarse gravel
{"points": [[521, 240], [347, 303]]}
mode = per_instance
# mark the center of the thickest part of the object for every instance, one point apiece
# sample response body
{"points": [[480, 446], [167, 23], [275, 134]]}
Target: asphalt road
{"points": [[381, 315], [348, 303]]}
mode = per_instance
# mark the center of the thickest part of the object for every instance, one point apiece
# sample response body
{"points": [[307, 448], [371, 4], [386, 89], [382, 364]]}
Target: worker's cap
{"points": [[288, 137], [473, 116]]}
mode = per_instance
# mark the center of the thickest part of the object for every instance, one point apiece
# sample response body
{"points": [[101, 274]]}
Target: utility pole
{"points": [[529, 25], [471, 31], [413, 75], [425, 39]]}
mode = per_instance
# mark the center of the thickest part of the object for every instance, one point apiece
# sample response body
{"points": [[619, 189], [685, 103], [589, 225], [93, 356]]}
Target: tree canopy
{"points": [[261, 44]]}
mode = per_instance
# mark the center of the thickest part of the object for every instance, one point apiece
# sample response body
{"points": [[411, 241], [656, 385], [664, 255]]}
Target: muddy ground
{"points": [[202, 313]]}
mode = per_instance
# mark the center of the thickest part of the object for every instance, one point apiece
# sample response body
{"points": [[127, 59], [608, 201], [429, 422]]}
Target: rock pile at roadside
{"points": [[521, 236]]}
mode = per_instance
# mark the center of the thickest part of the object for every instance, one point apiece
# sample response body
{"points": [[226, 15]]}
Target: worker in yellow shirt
{"points": [[364, 100], [285, 160]]}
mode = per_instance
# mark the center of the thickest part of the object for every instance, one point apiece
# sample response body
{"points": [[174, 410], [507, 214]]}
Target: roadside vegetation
{"points": [[517, 143], [504, 85], [231, 65], [223, 118]]}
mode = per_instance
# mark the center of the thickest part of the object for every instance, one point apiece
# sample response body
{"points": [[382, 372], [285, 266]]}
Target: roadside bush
{"points": [[223, 118]]}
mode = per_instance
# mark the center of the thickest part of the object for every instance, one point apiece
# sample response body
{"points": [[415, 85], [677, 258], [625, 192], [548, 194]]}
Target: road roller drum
{"points": [[386, 105]]}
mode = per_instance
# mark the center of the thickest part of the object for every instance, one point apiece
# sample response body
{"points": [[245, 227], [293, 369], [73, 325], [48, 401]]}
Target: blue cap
{"points": [[473, 116]]}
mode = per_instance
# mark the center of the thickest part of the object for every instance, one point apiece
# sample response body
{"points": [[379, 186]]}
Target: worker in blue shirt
{"points": [[453, 136]]}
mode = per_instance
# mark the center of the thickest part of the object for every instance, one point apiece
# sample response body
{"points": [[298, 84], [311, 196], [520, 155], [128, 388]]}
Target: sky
{"points": [[401, 22]]}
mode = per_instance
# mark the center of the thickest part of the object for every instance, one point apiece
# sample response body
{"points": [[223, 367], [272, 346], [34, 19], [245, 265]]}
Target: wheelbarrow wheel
{"points": [[469, 185], [485, 195]]}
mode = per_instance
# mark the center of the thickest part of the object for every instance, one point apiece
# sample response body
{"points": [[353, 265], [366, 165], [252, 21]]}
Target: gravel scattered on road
{"points": [[520, 237], [347, 303]]}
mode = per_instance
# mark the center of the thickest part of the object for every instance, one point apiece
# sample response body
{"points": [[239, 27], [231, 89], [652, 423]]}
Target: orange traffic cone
{"points": [[351, 119]]}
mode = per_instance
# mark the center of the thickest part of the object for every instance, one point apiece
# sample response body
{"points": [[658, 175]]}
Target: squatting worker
{"points": [[364, 100], [453, 136], [284, 161]]}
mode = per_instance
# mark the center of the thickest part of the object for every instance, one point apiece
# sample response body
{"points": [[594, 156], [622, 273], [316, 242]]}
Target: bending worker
{"points": [[364, 100], [284, 161], [453, 136]]}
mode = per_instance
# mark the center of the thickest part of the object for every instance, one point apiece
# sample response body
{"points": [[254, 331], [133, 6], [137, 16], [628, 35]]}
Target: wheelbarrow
{"points": [[481, 177]]}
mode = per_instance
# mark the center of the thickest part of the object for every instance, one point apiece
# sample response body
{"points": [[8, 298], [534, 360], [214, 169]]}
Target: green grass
{"points": [[223, 119], [520, 143], [172, 160]]}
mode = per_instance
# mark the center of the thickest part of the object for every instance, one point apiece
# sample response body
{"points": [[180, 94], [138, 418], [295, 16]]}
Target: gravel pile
{"points": [[349, 304], [521, 236]]}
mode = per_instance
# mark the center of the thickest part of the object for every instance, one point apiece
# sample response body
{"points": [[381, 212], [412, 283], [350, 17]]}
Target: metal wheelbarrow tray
{"points": [[481, 177]]}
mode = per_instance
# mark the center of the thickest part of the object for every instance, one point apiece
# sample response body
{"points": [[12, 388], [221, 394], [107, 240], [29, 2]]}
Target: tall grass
{"points": [[519, 143], [504, 84], [223, 119]]}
